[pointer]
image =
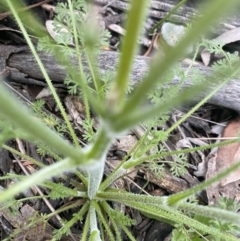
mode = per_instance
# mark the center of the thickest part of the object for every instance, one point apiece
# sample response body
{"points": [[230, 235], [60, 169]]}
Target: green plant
{"points": [[117, 113], [186, 233]]}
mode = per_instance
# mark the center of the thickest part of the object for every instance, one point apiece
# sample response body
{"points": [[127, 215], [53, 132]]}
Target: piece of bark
{"points": [[160, 8], [39, 231], [6, 14], [167, 181], [5, 52], [25, 63], [5, 162], [158, 231]]}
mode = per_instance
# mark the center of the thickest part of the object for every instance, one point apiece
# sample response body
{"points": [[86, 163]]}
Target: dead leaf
{"points": [[73, 111], [55, 34], [226, 156], [230, 154], [230, 36], [173, 34], [45, 92], [126, 142]]}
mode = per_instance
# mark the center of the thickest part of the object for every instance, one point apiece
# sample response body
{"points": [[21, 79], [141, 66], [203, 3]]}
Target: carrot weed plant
{"points": [[117, 113]]}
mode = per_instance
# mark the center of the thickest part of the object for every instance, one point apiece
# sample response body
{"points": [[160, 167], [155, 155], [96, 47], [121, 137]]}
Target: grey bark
{"points": [[18, 64], [23, 67], [184, 15]]}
